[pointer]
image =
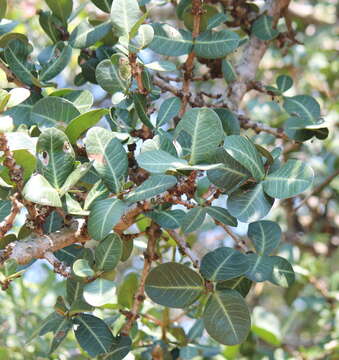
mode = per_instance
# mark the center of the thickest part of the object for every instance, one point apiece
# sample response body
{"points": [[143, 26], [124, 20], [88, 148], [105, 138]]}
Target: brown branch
{"points": [[139, 297], [59, 266], [11, 76], [239, 242], [137, 73], [164, 86], [319, 188], [7, 223], [185, 248], [197, 11], [252, 55]]}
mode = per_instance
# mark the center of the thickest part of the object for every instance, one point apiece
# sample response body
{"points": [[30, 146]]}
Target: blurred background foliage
{"points": [[303, 320]]}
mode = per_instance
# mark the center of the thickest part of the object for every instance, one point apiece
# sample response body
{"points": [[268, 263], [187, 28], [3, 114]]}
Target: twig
{"points": [[137, 73], [319, 188], [239, 242], [11, 77], [7, 223], [139, 297], [188, 66], [184, 248], [59, 266]]}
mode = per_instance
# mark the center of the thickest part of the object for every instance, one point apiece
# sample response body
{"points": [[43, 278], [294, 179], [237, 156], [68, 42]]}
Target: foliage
{"points": [[164, 156]]}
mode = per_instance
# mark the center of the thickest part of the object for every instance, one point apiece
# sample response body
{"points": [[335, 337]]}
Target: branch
{"points": [[185, 248], [239, 242], [11, 77], [252, 55], [59, 266], [139, 297], [318, 189], [197, 11], [7, 223]]}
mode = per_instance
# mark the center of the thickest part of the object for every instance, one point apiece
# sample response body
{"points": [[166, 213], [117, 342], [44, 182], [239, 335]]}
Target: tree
{"points": [[172, 145]]}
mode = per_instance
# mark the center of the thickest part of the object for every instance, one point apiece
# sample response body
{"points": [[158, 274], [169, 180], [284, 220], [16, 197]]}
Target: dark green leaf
{"points": [[303, 106], [216, 44], [104, 215], [61, 8], [241, 284], [167, 219], [282, 274], [249, 205], [263, 28], [223, 263], [93, 335], [284, 82], [265, 236], [154, 185], [108, 253], [173, 285], [222, 215], [193, 219], [226, 317], [261, 267]]}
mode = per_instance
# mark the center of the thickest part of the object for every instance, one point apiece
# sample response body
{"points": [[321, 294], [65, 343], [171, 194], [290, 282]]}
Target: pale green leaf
{"points": [[80, 171], [283, 273], [266, 326], [99, 292], [161, 65], [168, 110], [82, 268], [124, 14], [303, 106], [291, 179], [40, 191]]}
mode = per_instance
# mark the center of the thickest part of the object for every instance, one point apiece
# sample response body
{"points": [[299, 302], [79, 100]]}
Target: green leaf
{"points": [[261, 267], [127, 290], [167, 219], [193, 219], [230, 175], [154, 185], [109, 77], [104, 215], [222, 215], [53, 111], [49, 324], [226, 317], [140, 104], [60, 58], [85, 35], [83, 122], [249, 205], [223, 263], [99, 292], [82, 268], [282, 274], [266, 326], [53, 223], [216, 20], [81, 99], [159, 161], [197, 123], [244, 151], [61, 8], [17, 96], [60, 333], [265, 236], [40, 191], [55, 156], [143, 37], [173, 285], [97, 192], [51, 25], [110, 158], [16, 53], [5, 209], [121, 347], [108, 253], [93, 335], [228, 71], [291, 179], [161, 65], [168, 110], [124, 14], [262, 28], [3, 8], [74, 291], [284, 82], [216, 44], [73, 206], [104, 5], [303, 106], [80, 171], [170, 41], [229, 121], [301, 130], [241, 284]]}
